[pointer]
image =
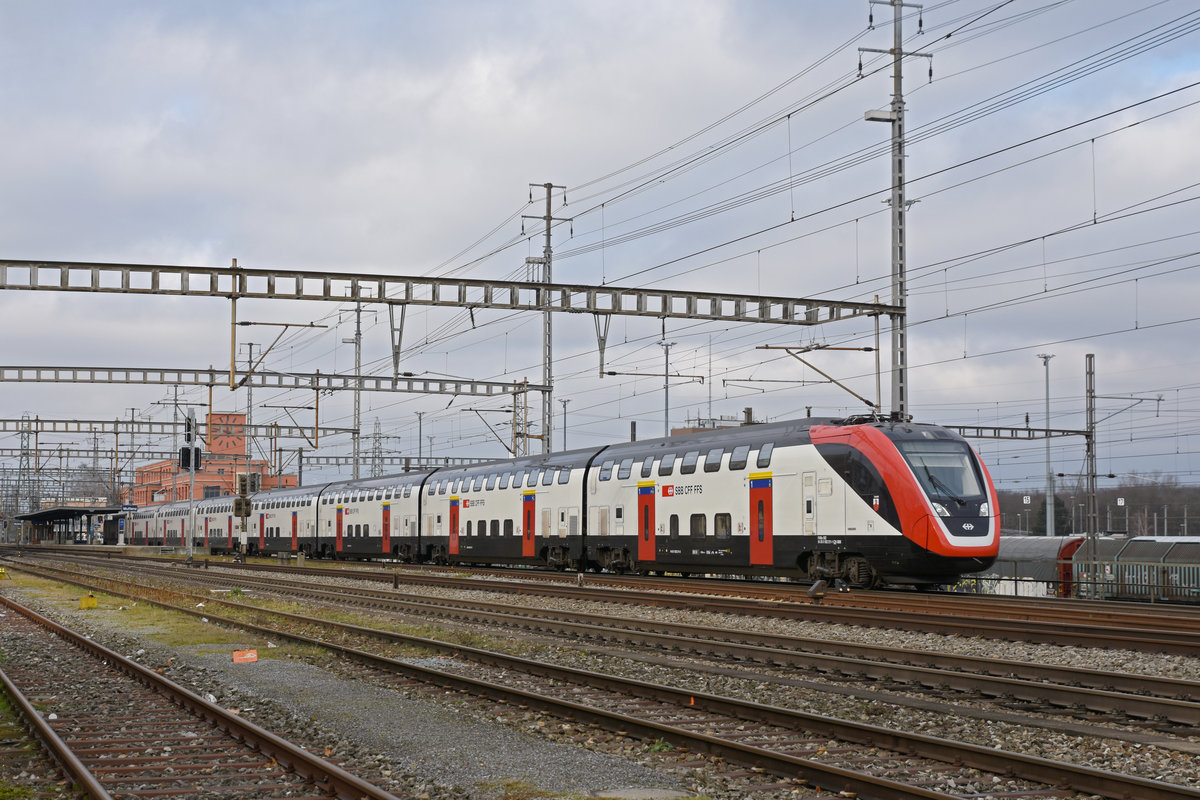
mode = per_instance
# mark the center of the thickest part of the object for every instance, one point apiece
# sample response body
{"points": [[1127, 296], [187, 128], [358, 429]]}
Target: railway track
{"points": [[118, 729], [865, 759], [1177, 633], [1140, 702]]}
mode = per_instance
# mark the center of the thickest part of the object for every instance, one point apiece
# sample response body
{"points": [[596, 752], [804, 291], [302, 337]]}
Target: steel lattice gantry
{"points": [[262, 284], [149, 428], [261, 379], [408, 462]]}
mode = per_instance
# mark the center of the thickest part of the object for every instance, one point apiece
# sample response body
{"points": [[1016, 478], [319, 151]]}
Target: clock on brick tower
{"points": [[227, 434]]}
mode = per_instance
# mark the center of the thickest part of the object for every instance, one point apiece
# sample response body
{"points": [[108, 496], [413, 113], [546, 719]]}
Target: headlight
{"points": [[941, 510], [984, 510]]}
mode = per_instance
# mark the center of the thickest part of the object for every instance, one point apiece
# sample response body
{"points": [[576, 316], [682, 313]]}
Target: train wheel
{"points": [[859, 572]]}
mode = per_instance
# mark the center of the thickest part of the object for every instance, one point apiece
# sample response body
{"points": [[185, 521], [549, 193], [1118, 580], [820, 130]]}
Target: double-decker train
{"points": [[863, 501]]}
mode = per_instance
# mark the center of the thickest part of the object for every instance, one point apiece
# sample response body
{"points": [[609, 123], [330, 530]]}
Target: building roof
{"points": [[60, 513]]}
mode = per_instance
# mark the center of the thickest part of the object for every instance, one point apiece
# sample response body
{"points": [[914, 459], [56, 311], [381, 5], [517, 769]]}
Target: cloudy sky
{"points": [[704, 145]]}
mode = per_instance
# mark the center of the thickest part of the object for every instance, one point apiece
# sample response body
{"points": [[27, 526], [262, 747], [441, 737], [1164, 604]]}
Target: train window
{"points": [[712, 459], [495, 528], [366, 529], [764, 455], [548, 476], [442, 486], [625, 469], [508, 527], [618, 513], [478, 485], [674, 525], [699, 525], [689, 462], [408, 490], [737, 460], [505, 479], [722, 525], [468, 527], [564, 475], [491, 484], [533, 476], [667, 465], [518, 479], [606, 470]]}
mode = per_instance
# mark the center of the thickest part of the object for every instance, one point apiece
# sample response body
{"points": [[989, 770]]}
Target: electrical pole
{"points": [[249, 407], [546, 262], [666, 346], [564, 405], [357, 342], [1045, 357], [899, 206], [419, 451]]}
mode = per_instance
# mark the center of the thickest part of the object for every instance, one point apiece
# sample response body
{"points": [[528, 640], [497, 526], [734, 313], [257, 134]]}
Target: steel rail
{"points": [[1033, 768], [73, 769], [330, 776]]}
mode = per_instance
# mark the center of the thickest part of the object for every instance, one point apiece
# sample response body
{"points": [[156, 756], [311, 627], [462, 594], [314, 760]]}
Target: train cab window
{"points": [[737, 460], [564, 475], [674, 525], [764, 455], [698, 525], [625, 468], [667, 465], [722, 525], [491, 481], [606, 470], [548, 476], [533, 478], [712, 459], [689, 462]]}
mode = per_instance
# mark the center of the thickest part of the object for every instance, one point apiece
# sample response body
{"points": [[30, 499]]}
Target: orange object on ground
{"points": [[245, 656]]}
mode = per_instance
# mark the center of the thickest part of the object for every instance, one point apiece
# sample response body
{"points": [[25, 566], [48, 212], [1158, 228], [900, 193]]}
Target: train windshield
{"points": [[944, 468]]}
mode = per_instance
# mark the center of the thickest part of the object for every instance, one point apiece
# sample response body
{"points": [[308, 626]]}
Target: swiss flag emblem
{"points": [[668, 491]]}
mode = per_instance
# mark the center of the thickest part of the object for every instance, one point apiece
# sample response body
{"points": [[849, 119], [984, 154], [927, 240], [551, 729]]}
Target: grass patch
{"points": [[11, 791], [159, 625]]}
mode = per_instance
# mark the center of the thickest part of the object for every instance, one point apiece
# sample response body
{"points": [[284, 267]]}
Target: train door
{"points": [[295, 531], [453, 526], [229, 544], [206, 530], [762, 549], [645, 526], [528, 521], [262, 532], [808, 496], [337, 534], [387, 528]]}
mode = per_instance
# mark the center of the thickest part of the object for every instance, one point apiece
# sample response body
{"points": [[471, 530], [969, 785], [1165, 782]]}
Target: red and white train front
{"points": [[928, 485]]}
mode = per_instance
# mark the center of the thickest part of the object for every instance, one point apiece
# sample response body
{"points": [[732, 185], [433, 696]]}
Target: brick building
{"points": [[223, 458]]}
